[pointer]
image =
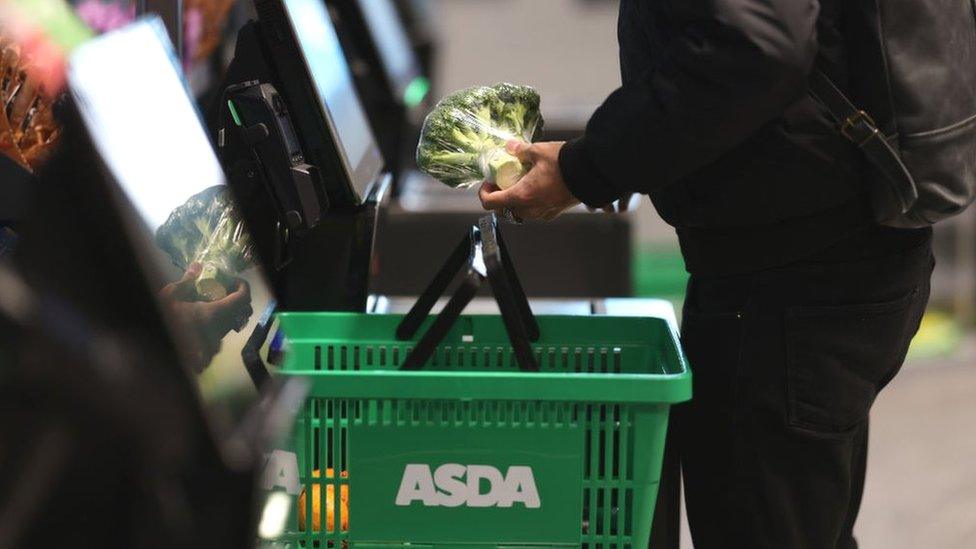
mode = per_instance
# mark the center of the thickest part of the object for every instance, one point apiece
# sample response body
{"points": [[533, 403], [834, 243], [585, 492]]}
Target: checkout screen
{"points": [[136, 108], [333, 83], [388, 34]]}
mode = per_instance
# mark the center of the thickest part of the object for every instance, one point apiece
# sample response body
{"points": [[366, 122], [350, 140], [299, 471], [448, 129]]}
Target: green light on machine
{"points": [[416, 91], [233, 112]]}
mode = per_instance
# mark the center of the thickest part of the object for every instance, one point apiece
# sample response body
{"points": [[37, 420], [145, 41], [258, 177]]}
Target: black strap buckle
{"points": [[859, 117]]}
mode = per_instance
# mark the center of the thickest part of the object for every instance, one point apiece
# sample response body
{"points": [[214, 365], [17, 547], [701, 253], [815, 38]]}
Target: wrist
{"points": [[581, 176]]}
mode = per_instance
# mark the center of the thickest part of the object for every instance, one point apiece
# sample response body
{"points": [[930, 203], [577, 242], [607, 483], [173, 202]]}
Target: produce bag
{"points": [[462, 142], [208, 230]]}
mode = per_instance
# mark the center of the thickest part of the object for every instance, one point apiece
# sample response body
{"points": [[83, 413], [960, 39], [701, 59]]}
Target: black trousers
{"points": [[786, 364]]}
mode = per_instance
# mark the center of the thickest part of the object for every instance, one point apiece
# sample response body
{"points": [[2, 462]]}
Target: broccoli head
{"points": [[463, 138], [519, 108]]}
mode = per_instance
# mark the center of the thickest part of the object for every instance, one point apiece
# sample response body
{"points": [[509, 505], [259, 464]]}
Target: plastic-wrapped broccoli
{"points": [[207, 229], [463, 139]]}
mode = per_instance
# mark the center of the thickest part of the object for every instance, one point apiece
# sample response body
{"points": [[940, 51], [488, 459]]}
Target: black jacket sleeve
{"points": [[730, 67]]}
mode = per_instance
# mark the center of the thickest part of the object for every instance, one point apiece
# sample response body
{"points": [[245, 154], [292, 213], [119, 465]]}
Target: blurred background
{"points": [[921, 486]]}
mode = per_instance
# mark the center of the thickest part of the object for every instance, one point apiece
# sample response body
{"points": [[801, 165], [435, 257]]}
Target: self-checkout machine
{"points": [[301, 158], [420, 20], [389, 77], [138, 431]]}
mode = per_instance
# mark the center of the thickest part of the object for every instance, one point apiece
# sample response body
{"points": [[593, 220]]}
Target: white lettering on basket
{"points": [[454, 485], [281, 471]]}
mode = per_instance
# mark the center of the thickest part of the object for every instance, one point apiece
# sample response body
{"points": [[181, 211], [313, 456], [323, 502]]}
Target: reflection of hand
{"points": [[206, 322]]}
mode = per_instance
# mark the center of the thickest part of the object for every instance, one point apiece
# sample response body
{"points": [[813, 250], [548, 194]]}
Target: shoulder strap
{"points": [[859, 128]]}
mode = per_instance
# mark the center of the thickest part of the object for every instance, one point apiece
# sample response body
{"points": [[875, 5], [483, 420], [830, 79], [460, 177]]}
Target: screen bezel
{"points": [[138, 236], [397, 87], [362, 176]]}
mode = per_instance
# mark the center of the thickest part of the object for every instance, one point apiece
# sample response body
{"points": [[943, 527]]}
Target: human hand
{"points": [[206, 323], [541, 193]]}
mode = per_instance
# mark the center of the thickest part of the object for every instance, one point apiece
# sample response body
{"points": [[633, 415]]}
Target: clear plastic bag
{"points": [[463, 139], [208, 230]]}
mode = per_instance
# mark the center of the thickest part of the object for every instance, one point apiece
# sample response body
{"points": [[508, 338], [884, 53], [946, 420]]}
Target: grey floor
{"points": [[921, 484]]}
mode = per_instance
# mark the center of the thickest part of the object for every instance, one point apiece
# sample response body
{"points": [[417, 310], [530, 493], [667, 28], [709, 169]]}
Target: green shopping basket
{"points": [[518, 431]]}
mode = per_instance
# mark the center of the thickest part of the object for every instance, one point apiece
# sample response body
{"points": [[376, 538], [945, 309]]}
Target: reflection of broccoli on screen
{"points": [[207, 229]]}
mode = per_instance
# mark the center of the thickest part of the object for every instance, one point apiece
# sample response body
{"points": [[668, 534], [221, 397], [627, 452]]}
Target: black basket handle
{"points": [[481, 254], [463, 254], [505, 283]]}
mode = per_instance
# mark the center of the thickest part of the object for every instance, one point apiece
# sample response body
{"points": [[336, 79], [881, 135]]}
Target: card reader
{"points": [[261, 120]]}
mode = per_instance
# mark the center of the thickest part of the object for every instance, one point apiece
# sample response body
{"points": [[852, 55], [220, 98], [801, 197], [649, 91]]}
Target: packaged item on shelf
{"points": [[28, 130]]}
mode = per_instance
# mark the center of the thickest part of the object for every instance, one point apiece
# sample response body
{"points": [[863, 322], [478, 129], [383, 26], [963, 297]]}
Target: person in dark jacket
{"points": [[799, 308]]}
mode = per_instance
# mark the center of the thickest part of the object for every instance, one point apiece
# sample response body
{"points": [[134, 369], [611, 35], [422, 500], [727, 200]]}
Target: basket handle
{"points": [[463, 254], [481, 254], [505, 284], [251, 352]]}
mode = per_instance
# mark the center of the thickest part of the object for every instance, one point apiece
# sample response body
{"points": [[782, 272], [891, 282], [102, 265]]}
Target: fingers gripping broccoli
{"points": [[463, 138]]}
